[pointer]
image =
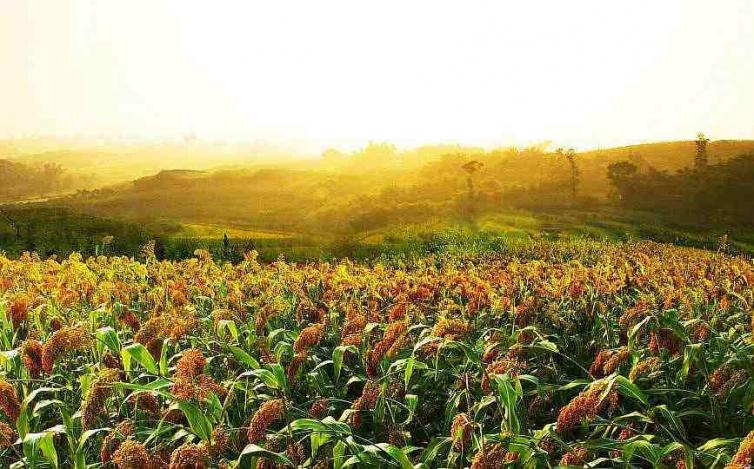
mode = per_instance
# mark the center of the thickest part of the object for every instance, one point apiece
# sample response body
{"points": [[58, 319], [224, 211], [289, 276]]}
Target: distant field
{"points": [[57, 231], [209, 231]]}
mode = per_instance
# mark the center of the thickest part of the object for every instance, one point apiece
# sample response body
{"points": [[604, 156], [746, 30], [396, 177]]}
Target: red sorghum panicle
{"points": [[599, 362], [353, 328], [295, 365], [114, 439], [607, 361], [366, 402], [111, 361], [191, 364], [493, 456], [450, 328], [625, 434], [273, 443], [152, 333], [618, 358], [160, 459], [9, 403], [491, 353], [725, 378], [547, 445], [7, 435], [460, 431], [189, 456], [644, 368], [99, 392], [296, 453], [131, 455], [219, 441], [175, 416], [31, 355], [269, 412], [511, 366], [577, 457], [396, 437], [308, 338], [198, 388], [62, 341], [319, 409], [391, 341], [145, 402], [190, 381], [129, 319], [700, 332], [664, 339], [19, 310], [585, 406]]}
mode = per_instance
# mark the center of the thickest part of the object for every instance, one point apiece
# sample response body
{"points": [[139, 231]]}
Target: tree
{"points": [[570, 155], [701, 151], [621, 175], [50, 177], [471, 167]]}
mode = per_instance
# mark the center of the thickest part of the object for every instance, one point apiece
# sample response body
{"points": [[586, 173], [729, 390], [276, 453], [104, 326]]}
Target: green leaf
{"points": [[229, 325], [109, 337], [412, 402], [317, 440], [245, 357], [337, 358], [673, 419], [24, 419], [717, 443], [328, 425], [139, 353], [651, 452], [164, 357], [154, 386], [409, 370], [690, 354], [395, 453], [629, 389], [434, 448], [280, 375], [44, 441], [267, 377], [258, 451], [198, 421], [338, 454], [634, 330], [509, 397], [80, 456], [546, 344], [47, 445]]}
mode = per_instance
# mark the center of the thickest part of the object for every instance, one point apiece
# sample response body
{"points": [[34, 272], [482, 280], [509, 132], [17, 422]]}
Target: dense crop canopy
{"points": [[556, 353]]}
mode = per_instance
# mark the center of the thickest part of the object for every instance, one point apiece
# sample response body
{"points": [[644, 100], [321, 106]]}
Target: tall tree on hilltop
{"points": [[570, 155], [701, 159]]}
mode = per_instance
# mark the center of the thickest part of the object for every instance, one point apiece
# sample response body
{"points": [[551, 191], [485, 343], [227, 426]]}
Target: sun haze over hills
{"points": [[310, 75]]}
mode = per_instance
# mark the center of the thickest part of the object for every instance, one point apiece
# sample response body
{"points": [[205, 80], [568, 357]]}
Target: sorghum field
{"points": [[566, 353]]}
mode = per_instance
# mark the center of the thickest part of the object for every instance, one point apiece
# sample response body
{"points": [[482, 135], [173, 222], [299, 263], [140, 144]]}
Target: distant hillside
{"points": [[381, 186], [95, 164], [672, 155], [662, 156]]}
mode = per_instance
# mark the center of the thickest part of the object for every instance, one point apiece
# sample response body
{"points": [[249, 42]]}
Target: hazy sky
{"points": [[582, 73]]}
